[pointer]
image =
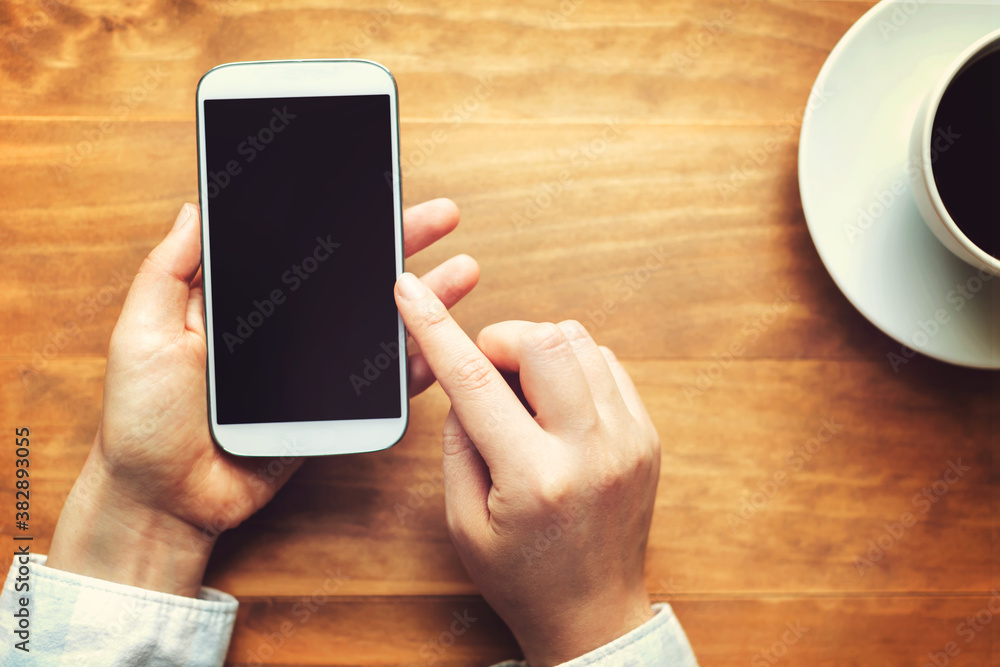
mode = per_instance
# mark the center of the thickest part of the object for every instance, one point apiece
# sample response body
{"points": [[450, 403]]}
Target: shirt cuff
{"points": [[73, 619], [659, 642]]}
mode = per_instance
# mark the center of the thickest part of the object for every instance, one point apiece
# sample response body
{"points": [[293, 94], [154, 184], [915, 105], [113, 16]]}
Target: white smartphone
{"points": [[302, 242]]}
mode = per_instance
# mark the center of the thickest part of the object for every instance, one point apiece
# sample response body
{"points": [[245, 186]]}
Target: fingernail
{"points": [[187, 212], [410, 287]]}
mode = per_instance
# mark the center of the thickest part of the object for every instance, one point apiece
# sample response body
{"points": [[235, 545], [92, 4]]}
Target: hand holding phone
{"points": [[156, 491]]}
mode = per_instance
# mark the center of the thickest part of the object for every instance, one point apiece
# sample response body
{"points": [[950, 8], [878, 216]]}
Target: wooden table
{"points": [[589, 145]]}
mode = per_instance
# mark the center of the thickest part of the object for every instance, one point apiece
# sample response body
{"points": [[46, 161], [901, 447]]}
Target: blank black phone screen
{"points": [[302, 239]]}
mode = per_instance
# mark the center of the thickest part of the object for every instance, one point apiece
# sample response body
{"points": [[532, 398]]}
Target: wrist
{"points": [[105, 534], [583, 631]]}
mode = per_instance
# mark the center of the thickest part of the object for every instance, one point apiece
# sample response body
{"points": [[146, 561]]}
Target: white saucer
{"points": [[854, 150]]}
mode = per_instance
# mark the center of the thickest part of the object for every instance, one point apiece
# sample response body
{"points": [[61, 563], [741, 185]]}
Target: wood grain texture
{"points": [[653, 236], [603, 156], [852, 455], [869, 631], [722, 60]]}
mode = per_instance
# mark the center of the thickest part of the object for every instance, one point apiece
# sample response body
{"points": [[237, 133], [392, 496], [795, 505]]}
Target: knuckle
{"points": [[618, 472], [544, 337], [472, 373], [452, 443], [554, 491], [455, 440], [573, 330], [155, 263], [149, 263], [612, 478], [432, 316], [592, 427]]}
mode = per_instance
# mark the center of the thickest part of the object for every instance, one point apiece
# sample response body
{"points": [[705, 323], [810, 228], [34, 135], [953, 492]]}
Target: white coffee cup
{"points": [[923, 151]]}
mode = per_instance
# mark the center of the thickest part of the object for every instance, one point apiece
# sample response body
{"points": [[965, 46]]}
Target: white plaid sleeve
{"points": [[659, 642], [77, 620]]}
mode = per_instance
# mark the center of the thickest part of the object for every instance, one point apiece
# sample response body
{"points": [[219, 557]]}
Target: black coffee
{"points": [[965, 150]]}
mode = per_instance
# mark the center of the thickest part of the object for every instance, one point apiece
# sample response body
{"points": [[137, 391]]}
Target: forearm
{"points": [[103, 534]]}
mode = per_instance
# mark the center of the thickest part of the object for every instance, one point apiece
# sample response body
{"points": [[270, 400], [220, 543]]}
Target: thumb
{"points": [[466, 483], [158, 298]]}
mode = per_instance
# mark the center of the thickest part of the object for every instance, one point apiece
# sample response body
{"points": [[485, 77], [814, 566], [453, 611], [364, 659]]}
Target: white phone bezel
{"points": [[300, 78]]}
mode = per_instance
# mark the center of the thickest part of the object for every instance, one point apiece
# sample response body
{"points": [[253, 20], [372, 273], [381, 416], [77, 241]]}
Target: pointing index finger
{"points": [[485, 404]]}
